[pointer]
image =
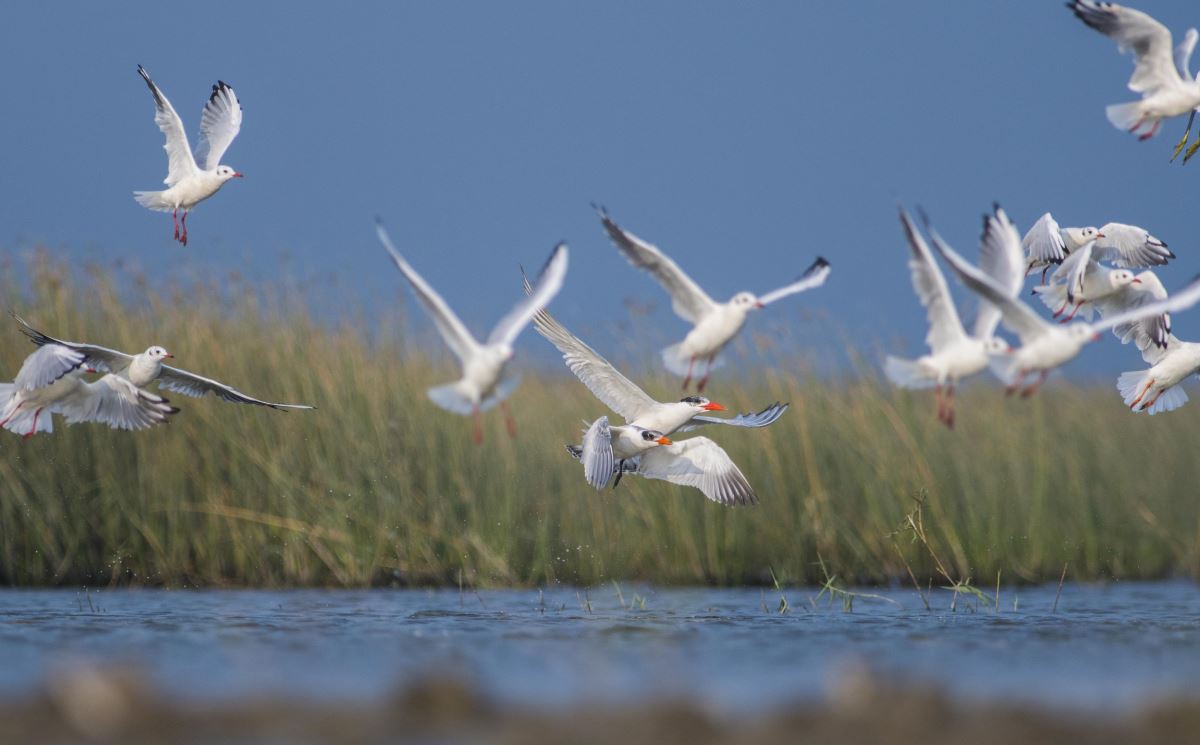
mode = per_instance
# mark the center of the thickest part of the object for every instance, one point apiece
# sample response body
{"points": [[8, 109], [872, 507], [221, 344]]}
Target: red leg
{"points": [[33, 430], [183, 240], [10, 416], [477, 428], [1058, 312], [1044, 270], [1073, 311], [1150, 404], [707, 372], [949, 420], [688, 380], [1033, 388], [1153, 131], [937, 397], [1142, 393], [509, 422], [175, 217], [1139, 124], [1013, 386]]}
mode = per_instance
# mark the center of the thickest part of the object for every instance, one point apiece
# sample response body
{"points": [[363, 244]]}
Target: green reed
{"points": [[378, 486]]}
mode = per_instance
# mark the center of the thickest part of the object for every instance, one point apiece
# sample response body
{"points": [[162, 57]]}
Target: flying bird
{"points": [[486, 380], [191, 180], [955, 354], [1125, 246], [714, 323], [1160, 71], [147, 367], [1157, 389]]}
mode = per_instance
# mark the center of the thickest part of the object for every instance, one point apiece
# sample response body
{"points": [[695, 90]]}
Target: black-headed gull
{"points": [[486, 380], [697, 462], [1080, 283], [954, 354], [1153, 331], [50, 381], [191, 180], [715, 324], [147, 367], [1125, 246], [625, 398], [1159, 74], [1044, 345], [1157, 389]]}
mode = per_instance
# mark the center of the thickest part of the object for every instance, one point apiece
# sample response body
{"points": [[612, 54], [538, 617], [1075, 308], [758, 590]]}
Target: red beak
{"points": [[1135, 279], [170, 356], [713, 406], [1099, 235], [238, 175], [759, 305]]}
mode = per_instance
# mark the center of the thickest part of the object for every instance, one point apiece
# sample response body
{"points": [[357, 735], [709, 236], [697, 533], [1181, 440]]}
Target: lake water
{"points": [[1112, 646]]}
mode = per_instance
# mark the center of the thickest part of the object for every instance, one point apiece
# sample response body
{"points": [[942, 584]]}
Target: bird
{"points": [[1157, 389], [486, 380], [1044, 345], [147, 367], [1083, 283], [625, 398], [697, 461], [1046, 244], [1160, 72], [191, 180], [1155, 330], [714, 323], [51, 380], [954, 354], [1125, 246]]}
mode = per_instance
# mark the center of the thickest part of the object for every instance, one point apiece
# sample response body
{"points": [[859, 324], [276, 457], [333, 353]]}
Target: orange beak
{"points": [[664, 440], [713, 406]]}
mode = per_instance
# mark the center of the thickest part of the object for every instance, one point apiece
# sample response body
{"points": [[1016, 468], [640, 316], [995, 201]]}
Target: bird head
{"points": [[655, 437], [702, 404], [225, 173], [745, 301]]}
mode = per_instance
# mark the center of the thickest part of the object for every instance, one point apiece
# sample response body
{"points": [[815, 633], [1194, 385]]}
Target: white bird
{"points": [[715, 324], [191, 180], [1146, 288], [1083, 283], [147, 367], [1045, 345], [1157, 389], [1046, 244], [51, 381], [485, 379], [1125, 246], [628, 400], [954, 354], [1159, 74], [697, 462]]}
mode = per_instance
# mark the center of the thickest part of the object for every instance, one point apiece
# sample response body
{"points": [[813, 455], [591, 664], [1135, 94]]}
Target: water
{"points": [[1110, 647]]}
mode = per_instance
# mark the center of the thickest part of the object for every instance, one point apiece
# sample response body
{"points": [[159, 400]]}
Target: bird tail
{"points": [[450, 398], [508, 383], [907, 373], [1053, 296], [1004, 367], [679, 362], [152, 200], [1126, 116], [1130, 385]]}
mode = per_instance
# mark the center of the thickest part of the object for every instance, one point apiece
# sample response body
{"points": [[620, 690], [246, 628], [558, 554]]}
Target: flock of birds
{"points": [[1135, 306]]}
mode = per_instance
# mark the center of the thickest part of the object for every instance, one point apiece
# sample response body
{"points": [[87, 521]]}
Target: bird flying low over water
{"points": [[51, 382], [191, 180], [147, 367], [1160, 71], [697, 461], [955, 354], [714, 323], [486, 380]]}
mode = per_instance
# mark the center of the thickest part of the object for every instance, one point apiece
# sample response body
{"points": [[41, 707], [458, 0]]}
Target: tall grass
{"points": [[378, 486]]}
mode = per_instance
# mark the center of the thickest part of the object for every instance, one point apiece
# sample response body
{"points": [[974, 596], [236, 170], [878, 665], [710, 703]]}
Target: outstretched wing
{"points": [[1148, 334], [945, 328], [1074, 268], [180, 163], [754, 420], [814, 276], [114, 401], [1002, 259], [604, 381], [1182, 300], [1044, 244], [1183, 53], [46, 365], [549, 282], [101, 358], [219, 124], [701, 463], [1130, 246], [1149, 40], [687, 299], [191, 384], [448, 325]]}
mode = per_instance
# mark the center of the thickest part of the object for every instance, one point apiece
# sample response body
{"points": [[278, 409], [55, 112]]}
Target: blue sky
{"points": [[744, 139]]}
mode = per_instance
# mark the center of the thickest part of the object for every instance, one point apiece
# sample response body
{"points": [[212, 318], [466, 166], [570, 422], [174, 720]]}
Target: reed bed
{"points": [[380, 487]]}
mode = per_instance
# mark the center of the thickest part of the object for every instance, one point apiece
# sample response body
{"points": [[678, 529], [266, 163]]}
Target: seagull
{"points": [[1156, 330], [1157, 389], [628, 400], [1125, 246], [1082, 282], [1045, 345], [1160, 74], [485, 380], [697, 462], [715, 324], [954, 354], [1046, 244], [143, 369], [51, 378], [191, 180]]}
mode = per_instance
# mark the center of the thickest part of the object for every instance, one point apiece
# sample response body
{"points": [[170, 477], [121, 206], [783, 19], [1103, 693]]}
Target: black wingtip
{"points": [[818, 265]]}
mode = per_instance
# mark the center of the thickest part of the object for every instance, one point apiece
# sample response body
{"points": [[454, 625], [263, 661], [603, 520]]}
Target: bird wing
{"points": [[1001, 258], [606, 383], [1130, 246], [196, 386], [219, 124], [701, 463], [945, 328], [101, 358], [1149, 333], [1016, 315], [549, 282], [814, 276], [1133, 30], [687, 299], [452, 330], [114, 401], [597, 455], [1181, 300], [1074, 269], [1044, 244], [754, 420], [46, 365], [180, 163], [1183, 53]]}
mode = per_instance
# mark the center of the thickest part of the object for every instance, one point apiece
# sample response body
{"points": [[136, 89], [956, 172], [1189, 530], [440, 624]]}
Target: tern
{"points": [[191, 180]]}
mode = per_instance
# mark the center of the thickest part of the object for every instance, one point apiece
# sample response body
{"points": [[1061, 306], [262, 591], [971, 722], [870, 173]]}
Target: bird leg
{"points": [[937, 396], [1187, 133], [1152, 131], [13, 414], [1058, 312], [949, 420], [707, 371], [1150, 404], [33, 430], [688, 380], [477, 428], [1033, 388], [1138, 126], [509, 423], [1016, 383], [1075, 310], [183, 222], [1191, 150], [175, 217], [620, 473], [1142, 393]]}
